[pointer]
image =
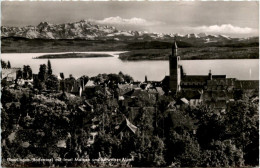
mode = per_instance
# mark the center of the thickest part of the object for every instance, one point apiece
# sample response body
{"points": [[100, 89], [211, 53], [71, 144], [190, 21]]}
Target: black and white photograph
{"points": [[129, 83]]}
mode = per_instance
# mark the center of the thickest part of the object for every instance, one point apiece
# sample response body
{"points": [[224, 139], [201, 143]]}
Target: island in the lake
{"points": [[72, 55]]}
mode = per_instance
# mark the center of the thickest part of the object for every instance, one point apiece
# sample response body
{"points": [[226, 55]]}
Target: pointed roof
{"points": [[132, 127], [126, 124]]}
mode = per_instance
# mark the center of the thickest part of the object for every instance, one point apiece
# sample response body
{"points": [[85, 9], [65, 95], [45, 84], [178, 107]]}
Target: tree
{"points": [[8, 64], [157, 150], [19, 74], [144, 121], [105, 144], [148, 151], [3, 64], [84, 80], [42, 73], [182, 150], [242, 125], [4, 120], [222, 154], [238, 94], [210, 124], [49, 71], [114, 78], [52, 83], [128, 78], [27, 72]]}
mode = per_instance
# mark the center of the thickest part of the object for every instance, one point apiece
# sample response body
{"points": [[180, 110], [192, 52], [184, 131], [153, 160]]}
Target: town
{"points": [[181, 121]]}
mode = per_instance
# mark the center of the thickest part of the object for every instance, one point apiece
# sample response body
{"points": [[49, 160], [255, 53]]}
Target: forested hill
{"points": [[139, 50]]}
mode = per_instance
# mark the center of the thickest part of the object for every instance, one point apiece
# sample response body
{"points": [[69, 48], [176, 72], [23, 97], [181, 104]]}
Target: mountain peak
{"points": [[202, 35], [86, 29]]}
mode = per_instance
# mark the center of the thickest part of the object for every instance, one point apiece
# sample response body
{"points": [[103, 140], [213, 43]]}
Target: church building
{"points": [[216, 90]]}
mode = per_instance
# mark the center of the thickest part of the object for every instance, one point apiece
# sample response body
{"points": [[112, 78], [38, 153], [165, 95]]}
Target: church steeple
{"points": [[175, 74], [174, 49]]}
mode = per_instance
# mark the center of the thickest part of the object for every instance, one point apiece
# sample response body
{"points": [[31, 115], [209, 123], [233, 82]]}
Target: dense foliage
{"points": [[57, 124]]}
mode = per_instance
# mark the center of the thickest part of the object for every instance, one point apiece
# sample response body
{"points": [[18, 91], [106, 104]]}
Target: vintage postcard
{"points": [[129, 84]]}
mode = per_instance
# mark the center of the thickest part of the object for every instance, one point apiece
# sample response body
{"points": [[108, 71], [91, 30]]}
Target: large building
{"points": [[215, 90]]}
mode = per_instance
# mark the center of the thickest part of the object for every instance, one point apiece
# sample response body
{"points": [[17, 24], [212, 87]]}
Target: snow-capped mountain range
{"points": [[86, 30]]}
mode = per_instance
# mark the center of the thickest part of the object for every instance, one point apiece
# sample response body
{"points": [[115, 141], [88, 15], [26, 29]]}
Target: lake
{"points": [[243, 69]]}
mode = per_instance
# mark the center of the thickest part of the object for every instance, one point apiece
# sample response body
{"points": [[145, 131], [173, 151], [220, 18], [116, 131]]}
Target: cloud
{"points": [[224, 29], [127, 22]]}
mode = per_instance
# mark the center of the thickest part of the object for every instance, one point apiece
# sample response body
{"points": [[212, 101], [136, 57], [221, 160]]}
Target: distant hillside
{"points": [[193, 53], [25, 45], [155, 45]]}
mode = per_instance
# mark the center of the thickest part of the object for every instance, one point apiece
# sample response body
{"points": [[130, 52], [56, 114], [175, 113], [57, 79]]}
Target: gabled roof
{"points": [[126, 124], [201, 78], [215, 93], [136, 92], [221, 81], [152, 90], [90, 83], [124, 86], [166, 80], [9, 72], [156, 90], [132, 127], [17, 104], [87, 103], [247, 84], [160, 91], [108, 93], [219, 76], [194, 78], [184, 100], [81, 108]]}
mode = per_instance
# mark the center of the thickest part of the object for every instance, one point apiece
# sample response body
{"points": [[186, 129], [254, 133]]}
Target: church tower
{"points": [[175, 72]]}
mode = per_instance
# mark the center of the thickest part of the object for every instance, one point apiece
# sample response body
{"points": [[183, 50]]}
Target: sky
{"points": [[235, 19]]}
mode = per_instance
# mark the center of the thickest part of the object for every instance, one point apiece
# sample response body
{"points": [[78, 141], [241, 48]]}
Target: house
{"points": [[9, 75], [124, 88], [247, 85], [155, 91], [126, 128], [190, 97]]}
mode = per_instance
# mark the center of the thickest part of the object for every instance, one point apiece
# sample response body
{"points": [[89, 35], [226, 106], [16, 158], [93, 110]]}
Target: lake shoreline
{"points": [[154, 69]]}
